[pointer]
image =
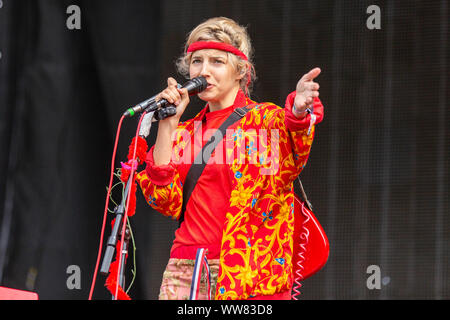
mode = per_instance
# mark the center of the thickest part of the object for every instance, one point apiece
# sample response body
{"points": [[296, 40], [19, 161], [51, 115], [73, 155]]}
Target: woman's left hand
{"points": [[306, 91]]}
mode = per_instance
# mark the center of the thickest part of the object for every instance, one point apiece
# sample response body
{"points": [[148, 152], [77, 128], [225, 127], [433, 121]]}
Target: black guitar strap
{"points": [[196, 169]]}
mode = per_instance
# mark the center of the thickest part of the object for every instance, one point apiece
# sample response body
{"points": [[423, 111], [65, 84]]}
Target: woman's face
{"points": [[221, 75]]}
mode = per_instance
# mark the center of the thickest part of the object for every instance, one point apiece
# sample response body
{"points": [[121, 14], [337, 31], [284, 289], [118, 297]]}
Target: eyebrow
{"points": [[213, 57]]}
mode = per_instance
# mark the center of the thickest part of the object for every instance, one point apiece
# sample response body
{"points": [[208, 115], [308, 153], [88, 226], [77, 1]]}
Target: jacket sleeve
{"points": [[295, 136], [161, 187], [302, 131]]}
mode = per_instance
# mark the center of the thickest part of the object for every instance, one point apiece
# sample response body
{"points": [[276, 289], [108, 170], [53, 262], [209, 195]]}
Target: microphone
{"points": [[139, 107], [194, 86]]}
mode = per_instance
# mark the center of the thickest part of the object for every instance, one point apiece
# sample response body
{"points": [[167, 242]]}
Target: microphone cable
{"points": [[105, 213]]}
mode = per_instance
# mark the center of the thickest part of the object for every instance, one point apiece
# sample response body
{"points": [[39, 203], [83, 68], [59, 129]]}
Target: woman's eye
{"points": [[196, 61], [218, 61]]}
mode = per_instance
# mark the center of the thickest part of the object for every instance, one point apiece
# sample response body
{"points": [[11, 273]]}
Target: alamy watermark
{"points": [[374, 20], [374, 280], [73, 22], [238, 146], [74, 279]]}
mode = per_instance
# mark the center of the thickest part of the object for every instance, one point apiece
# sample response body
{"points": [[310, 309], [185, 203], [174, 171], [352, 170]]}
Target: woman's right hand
{"points": [[176, 96]]}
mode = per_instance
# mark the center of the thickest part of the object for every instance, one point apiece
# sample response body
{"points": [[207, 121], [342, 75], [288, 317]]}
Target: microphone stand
{"points": [[158, 114], [124, 257], [114, 237]]}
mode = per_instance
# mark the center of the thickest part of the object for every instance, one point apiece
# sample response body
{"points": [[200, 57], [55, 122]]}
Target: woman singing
{"points": [[238, 221]]}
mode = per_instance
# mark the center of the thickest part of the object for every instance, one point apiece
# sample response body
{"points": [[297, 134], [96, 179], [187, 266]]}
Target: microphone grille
{"points": [[196, 85], [203, 83]]}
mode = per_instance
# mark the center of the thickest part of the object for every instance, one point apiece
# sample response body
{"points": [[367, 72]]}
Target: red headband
{"points": [[199, 45]]}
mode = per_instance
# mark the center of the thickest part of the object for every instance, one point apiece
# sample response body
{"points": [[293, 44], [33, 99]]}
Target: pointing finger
{"points": [[312, 74]]}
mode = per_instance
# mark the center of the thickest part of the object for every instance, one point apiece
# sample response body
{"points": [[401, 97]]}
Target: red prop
{"points": [[14, 294], [111, 281], [311, 246]]}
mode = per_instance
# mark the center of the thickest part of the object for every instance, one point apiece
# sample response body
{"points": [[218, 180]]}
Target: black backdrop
{"points": [[377, 176]]}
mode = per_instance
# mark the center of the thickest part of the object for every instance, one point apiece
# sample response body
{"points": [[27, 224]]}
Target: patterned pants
{"points": [[176, 282]]}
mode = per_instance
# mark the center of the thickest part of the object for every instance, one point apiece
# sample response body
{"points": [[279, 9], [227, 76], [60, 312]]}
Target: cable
{"points": [[125, 217], [304, 238], [106, 208]]}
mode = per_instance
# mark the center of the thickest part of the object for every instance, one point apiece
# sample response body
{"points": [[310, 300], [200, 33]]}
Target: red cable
{"points": [[105, 214], [127, 204]]}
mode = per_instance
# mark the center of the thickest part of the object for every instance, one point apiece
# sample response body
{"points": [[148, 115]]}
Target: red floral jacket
{"points": [[257, 243]]}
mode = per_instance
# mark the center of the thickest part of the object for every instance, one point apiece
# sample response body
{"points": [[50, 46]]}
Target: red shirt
{"points": [[205, 212]]}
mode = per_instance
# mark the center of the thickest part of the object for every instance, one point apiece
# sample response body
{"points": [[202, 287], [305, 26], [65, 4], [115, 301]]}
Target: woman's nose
{"points": [[205, 70]]}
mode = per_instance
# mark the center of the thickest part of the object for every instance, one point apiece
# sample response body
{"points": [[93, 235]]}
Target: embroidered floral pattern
{"points": [[256, 249]]}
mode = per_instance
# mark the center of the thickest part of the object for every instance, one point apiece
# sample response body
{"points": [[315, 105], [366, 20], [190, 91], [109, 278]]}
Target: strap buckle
{"points": [[240, 111]]}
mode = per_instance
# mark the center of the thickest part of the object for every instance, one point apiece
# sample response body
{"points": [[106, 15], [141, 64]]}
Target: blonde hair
{"points": [[228, 31]]}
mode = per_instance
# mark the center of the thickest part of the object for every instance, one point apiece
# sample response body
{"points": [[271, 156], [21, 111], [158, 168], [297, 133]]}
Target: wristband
{"points": [[307, 110]]}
